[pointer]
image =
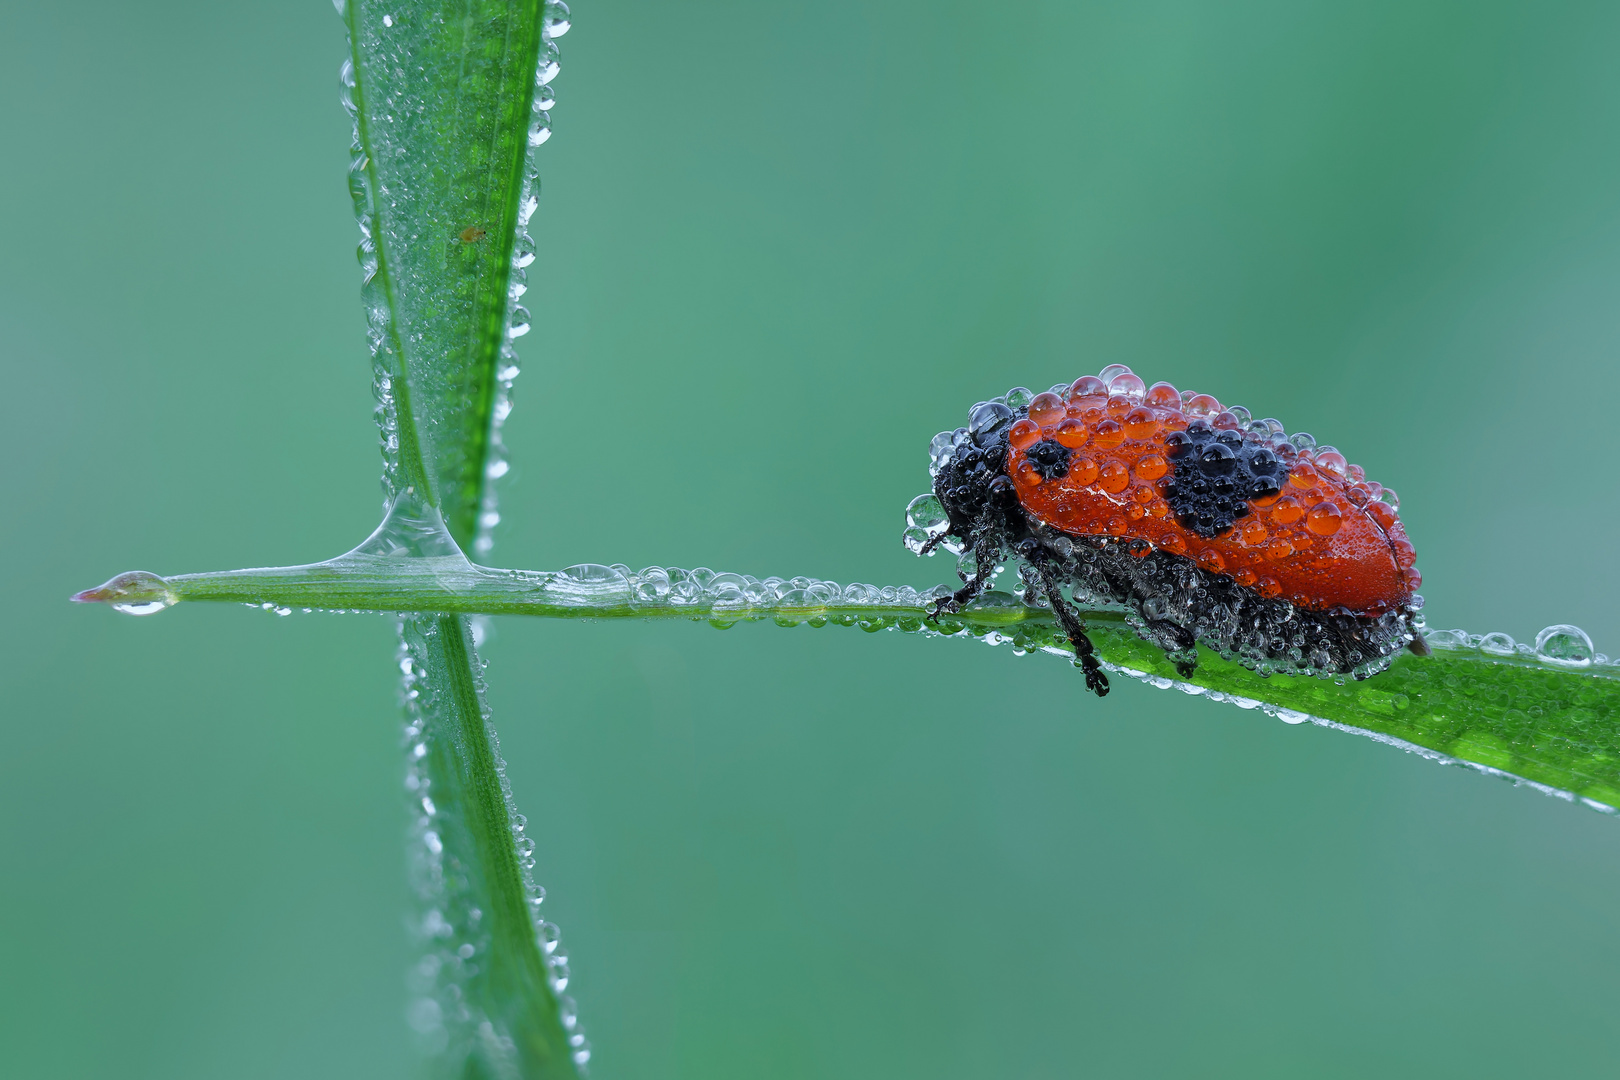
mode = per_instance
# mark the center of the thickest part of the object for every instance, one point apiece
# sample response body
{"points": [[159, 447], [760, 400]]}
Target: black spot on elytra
{"points": [[1214, 475], [1050, 459]]}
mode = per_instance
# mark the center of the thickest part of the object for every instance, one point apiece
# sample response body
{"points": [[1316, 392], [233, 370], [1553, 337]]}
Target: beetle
{"points": [[1205, 524]]}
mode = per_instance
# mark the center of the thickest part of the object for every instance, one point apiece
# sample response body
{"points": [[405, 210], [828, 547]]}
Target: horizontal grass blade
{"points": [[1551, 722]]}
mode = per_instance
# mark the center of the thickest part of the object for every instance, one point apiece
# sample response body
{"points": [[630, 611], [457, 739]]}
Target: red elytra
{"points": [[1324, 541]]}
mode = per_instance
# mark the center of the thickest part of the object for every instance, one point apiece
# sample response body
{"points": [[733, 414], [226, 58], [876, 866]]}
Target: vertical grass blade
{"points": [[444, 98], [448, 102], [483, 992]]}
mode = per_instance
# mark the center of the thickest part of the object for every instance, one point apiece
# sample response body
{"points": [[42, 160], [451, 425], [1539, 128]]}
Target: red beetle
{"points": [[1206, 524]]}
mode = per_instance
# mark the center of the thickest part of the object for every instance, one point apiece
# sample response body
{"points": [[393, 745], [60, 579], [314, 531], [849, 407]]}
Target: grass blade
{"points": [[1546, 719], [444, 104], [446, 113], [483, 992]]}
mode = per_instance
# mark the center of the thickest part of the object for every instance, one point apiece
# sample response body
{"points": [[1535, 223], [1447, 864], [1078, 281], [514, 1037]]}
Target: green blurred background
{"points": [[782, 245]]}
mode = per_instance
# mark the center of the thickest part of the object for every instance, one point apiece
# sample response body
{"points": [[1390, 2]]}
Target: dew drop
{"points": [[1162, 395], [1072, 433], [520, 322], [1019, 397], [1330, 460], [150, 607], [1324, 519], [1128, 385], [1024, 433], [1046, 408], [134, 593], [925, 512], [550, 63], [988, 418], [1566, 645], [557, 19], [1087, 386]]}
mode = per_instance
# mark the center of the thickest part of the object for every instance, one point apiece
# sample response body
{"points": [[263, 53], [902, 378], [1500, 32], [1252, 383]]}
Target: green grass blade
{"points": [[446, 113], [483, 991], [1551, 721], [444, 105]]}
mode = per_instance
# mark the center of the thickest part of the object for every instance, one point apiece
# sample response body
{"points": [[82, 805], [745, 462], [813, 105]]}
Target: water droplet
{"points": [[1199, 405], [1163, 396], [411, 529], [424, 1014], [150, 607], [916, 541], [925, 512], [1047, 408], [594, 574], [1127, 385], [1566, 645], [988, 417], [550, 63], [134, 593], [557, 19], [1324, 519]]}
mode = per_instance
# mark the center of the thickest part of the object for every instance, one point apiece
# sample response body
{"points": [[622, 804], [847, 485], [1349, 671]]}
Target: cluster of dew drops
{"points": [[725, 599], [455, 951], [555, 23]]}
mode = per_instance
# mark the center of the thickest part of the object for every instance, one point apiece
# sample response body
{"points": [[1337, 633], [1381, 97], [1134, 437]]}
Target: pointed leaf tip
{"points": [[134, 593]]}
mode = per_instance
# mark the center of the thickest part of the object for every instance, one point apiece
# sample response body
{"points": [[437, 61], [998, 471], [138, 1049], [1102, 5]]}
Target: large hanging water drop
{"points": [[135, 593]]}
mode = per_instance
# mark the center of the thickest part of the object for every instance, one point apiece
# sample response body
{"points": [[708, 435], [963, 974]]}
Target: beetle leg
{"points": [[1085, 656], [985, 552]]}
